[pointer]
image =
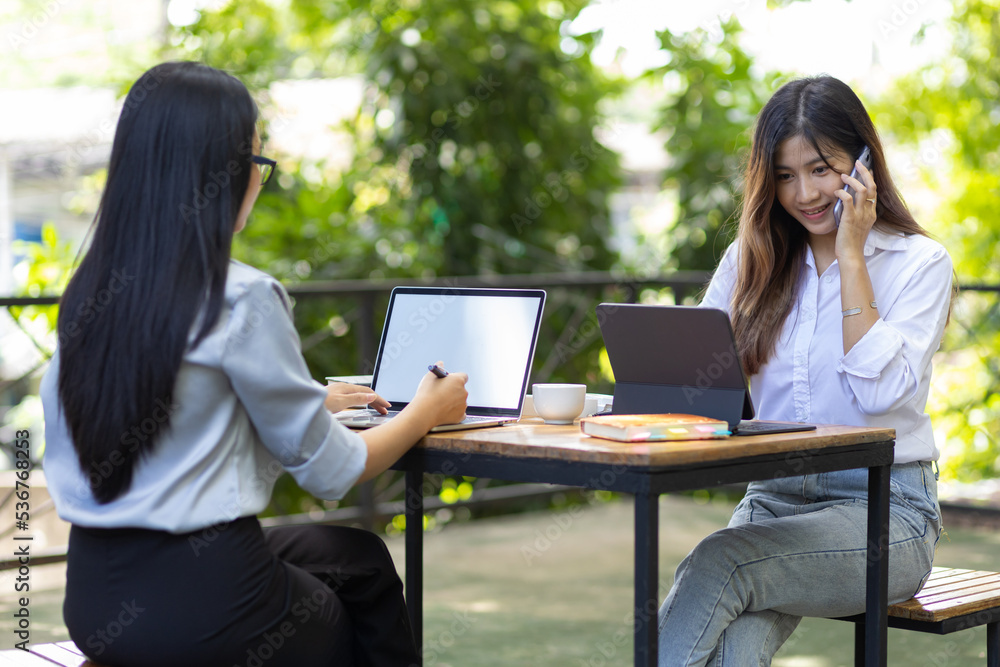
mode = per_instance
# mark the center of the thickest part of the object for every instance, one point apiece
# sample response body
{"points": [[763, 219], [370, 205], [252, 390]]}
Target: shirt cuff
{"points": [[334, 466], [870, 355]]}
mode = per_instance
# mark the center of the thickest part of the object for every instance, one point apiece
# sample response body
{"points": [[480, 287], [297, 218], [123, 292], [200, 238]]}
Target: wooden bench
{"points": [[950, 601], [63, 654]]}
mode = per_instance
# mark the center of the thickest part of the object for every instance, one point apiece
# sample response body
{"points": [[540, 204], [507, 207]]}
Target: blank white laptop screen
{"points": [[488, 334]]}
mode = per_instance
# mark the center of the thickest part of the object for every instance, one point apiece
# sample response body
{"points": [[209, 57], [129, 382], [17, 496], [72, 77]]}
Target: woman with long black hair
{"points": [[836, 322], [177, 396]]}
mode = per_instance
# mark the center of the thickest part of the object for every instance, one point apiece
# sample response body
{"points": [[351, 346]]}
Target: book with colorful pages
{"points": [[646, 428]]}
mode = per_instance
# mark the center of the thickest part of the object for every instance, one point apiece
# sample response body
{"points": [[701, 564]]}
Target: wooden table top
{"points": [[533, 439]]}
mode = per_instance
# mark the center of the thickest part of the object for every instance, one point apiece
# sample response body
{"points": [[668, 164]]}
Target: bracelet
{"points": [[857, 310]]}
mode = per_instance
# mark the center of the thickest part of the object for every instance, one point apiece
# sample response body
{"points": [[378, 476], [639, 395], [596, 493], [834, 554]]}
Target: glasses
{"points": [[266, 166]]}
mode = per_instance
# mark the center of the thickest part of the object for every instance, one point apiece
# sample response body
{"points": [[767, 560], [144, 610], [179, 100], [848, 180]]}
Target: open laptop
{"points": [[680, 359], [490, 334]]}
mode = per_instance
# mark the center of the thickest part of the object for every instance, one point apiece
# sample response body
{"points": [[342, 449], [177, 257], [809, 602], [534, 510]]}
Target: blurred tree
{"points": [[712, 93], [476, 150], [950, 112], [61, 44], [254, 40], [479, 129], [476, 137]]}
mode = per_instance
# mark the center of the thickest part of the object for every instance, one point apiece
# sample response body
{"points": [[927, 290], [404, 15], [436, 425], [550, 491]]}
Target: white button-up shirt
{"points": [[245, 410], [885, 378]]}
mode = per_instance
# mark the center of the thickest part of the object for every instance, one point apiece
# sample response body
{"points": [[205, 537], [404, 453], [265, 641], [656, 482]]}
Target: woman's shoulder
{"points": [[929, 254], [249, 294], [914, 244], [913, 258], [245, 281], [926, 243], [242, 275]]}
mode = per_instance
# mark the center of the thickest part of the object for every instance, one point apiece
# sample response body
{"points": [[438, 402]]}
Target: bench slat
{"points": [[950, 593], [986, 586], [59, 655], [18, 658], [952, 578], [936, 581], [947, 576], [938, 572], [958, 589], [964, 605], [70, 646]]}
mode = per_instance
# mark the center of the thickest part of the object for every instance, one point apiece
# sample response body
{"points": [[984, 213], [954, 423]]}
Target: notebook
{"points": [[489, 334], [680, 359]]}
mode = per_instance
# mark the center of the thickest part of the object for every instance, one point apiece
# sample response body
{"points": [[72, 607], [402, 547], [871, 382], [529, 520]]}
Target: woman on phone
{"points": [[834, 325], [177, 396]]}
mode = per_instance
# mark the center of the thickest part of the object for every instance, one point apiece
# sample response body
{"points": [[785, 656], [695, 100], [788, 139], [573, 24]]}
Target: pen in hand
{"points": [[437, 370]]}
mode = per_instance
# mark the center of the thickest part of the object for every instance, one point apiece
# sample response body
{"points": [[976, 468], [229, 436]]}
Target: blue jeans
{"points": [[795, 547]]}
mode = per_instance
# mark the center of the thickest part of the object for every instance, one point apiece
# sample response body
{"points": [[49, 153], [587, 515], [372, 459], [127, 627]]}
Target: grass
{"points": [[554, 589]]}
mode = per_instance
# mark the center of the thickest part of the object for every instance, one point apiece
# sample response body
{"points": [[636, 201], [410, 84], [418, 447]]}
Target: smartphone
{"points": [[866, 159]]}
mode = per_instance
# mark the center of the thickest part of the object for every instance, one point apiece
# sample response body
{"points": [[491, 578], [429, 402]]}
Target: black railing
{"points": [[582, 289], [622, 286]]}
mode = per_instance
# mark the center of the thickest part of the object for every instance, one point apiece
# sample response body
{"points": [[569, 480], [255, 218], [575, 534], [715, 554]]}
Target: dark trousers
{"points": [[233, 595]]}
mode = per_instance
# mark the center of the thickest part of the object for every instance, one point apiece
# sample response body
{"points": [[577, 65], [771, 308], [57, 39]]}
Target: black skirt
{"points": [[232, 595]]}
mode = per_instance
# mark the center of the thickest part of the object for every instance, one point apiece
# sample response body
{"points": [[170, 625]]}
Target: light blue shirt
{"points": [[885, 378], [245, 410]]}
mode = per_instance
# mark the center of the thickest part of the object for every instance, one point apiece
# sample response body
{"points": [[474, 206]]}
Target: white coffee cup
{"points": [[559, 403]]}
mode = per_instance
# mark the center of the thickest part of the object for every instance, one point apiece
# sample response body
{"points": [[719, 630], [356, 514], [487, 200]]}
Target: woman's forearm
{"points": [[856, 292]]}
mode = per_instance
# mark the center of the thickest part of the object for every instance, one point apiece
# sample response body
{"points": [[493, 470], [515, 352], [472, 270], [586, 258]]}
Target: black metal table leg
{"points": [[414, 514], [647, 551], [877, 575], [993, 645]]}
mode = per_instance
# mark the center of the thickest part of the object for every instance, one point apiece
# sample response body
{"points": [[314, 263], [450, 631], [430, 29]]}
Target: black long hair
{"points": [[831, 117], [156, 266]]}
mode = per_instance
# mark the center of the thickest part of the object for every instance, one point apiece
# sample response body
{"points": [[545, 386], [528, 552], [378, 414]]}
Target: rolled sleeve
{"points": [[263, 360], [870, 355], [892, 361], [335, 465]]}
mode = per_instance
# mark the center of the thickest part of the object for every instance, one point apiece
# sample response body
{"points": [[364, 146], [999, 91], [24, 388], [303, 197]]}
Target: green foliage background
{"points": [[712, 92], [475, 149], [950, 111]]}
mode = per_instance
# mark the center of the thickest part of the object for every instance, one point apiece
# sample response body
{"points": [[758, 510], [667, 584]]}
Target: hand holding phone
{"points": [[866, 159]]}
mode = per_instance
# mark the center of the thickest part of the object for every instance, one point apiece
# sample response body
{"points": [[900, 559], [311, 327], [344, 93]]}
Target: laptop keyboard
{"points": [[370, 412], [366, 416], [747, 426], [370, 416], [751, 427]]}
